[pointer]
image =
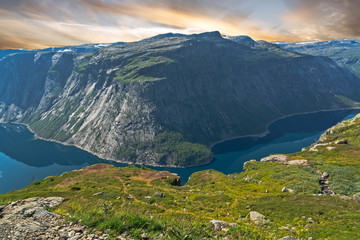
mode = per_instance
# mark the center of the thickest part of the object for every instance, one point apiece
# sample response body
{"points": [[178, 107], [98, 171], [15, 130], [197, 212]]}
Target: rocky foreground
{"points": [[31, 219]]}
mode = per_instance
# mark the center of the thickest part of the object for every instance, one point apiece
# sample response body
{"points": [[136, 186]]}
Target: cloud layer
{"points": [[42, 23], [324, 20]]}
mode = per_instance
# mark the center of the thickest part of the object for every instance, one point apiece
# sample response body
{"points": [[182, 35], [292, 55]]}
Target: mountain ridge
{"points": [[161, 101], [346, 52]]}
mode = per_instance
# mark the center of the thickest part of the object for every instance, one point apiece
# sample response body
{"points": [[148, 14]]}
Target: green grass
{"points": [[170, 148], [132, 70], [185, 211]]}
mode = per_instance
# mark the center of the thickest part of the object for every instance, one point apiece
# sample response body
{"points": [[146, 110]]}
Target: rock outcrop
{"points": [[221, 225], [325, 184], [283, 160], [29, 219]]}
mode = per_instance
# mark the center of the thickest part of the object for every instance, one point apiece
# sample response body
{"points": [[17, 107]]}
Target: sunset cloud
{"points": [[323, 20], [43, 23]]}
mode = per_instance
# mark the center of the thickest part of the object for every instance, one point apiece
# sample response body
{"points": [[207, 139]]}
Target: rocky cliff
{"points": [[160, 101]]}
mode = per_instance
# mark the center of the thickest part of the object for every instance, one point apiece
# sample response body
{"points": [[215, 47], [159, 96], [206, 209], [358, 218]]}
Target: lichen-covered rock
{"points": [[298, 162], [258, 218], [279, 158], [275, 158], [220, 225]]}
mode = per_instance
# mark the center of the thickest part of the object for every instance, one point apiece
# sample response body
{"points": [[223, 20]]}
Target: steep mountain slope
{"points": [[345, 52], [153, 101], [311, 194], [4, 53]]}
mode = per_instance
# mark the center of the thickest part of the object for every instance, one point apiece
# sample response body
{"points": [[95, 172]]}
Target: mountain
{"points": [[4, 53], [345, 52], [85, 48], [165, 100], [312, 194]]}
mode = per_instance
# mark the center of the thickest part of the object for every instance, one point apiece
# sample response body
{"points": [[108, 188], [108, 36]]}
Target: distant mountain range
{"points": [[85, 48], [345, 52], [165, 100]]}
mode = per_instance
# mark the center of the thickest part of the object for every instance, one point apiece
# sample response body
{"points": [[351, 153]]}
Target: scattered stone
{"points": [[147, 197], [355, 197], [159, 194], [310, 220], [220, 225], [29, 220], [342, 141], [258, 218], [325, 184], [267, 191], [291, 190], [289, 238], [98, 193], [284, 228], [144, 236], [284, 189]]}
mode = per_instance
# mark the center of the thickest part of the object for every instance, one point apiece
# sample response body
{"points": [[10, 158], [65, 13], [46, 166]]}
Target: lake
{"points": [[24, 159]]}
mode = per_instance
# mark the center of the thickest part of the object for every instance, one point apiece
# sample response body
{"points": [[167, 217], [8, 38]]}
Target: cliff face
{"points": [[145, 102]]}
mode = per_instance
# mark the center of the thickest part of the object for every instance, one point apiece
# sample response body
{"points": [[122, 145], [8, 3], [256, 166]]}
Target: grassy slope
{"points": [[187, 210]]}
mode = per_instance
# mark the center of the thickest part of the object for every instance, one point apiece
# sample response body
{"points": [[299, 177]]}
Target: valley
{"points": [[157, 139], [164, 100]]}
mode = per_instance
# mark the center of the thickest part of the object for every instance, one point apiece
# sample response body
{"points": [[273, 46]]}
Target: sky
{"points": [[34, 24]]}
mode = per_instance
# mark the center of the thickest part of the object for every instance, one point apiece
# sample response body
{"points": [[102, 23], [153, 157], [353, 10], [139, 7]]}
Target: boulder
{"points": [[342, 141], [325, 175], [98, 193], [159, 194], [298, 162], [275, 158], [220, 225], [258, 218], [355, 197]]}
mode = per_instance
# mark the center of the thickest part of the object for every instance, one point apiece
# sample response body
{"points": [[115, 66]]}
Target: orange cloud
{"points": [[324, 20], [42, 23]]}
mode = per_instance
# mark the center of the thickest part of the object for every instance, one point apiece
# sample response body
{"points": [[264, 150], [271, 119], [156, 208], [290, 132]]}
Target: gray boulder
{"points": [[258, 218], [220, 225]]}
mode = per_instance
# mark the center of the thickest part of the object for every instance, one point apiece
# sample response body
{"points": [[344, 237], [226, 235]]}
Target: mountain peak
{"points": [[214, 34]]}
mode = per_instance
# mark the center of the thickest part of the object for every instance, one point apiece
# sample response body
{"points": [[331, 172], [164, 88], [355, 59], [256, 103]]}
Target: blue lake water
{"points": [[24, 159]]}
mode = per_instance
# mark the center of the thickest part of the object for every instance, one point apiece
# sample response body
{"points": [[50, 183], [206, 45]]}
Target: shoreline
{"points": [[266, 132], [101, 157], [263, 134]]}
